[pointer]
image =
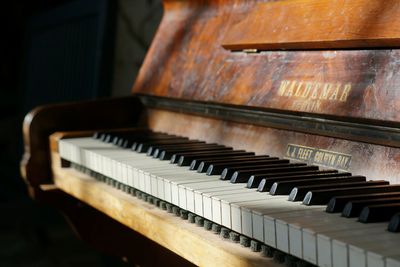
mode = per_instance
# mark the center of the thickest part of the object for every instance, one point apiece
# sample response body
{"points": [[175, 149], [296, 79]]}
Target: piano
{"points": [[257, 133]]}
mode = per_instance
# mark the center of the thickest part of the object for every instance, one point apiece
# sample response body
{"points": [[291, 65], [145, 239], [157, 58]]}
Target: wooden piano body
{"points": [[314, 81]]}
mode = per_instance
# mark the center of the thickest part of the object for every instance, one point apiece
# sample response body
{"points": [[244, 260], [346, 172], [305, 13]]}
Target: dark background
{"points": [[55, 51]]}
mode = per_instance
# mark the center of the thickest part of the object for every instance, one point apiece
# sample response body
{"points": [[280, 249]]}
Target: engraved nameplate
{"points": [[322, 157], [311, 96]]}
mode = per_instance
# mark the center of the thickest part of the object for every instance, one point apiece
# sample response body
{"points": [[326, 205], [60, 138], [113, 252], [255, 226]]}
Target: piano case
{"points": [[307, 80]]}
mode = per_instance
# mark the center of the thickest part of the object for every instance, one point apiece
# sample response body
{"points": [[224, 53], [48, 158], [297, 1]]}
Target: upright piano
{"points": [[255, 129]]}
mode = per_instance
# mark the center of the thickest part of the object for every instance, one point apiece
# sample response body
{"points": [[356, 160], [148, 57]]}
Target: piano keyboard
{"points": [[254, 202]]}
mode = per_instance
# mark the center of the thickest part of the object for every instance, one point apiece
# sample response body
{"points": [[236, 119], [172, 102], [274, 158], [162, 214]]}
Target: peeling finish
{"points": [[186, 60]]}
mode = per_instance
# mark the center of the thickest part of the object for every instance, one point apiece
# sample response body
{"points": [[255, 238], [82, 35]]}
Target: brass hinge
{"points": [[250, 51]]}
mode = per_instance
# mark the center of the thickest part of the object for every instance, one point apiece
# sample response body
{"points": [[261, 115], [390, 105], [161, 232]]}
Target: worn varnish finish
{"points": [[187, 61], [202, 248], [88, 115], [315, 24], [127, 244], [374, 161], [190, 59]]}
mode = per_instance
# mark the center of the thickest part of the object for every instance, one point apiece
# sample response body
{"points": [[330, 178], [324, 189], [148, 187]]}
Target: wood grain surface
{"points": [[201, 247], [41, 122], [376, 162], [316, 24], [187, 61]]}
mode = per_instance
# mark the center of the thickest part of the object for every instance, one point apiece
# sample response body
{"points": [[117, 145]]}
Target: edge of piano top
{"points": [[185, 239]]}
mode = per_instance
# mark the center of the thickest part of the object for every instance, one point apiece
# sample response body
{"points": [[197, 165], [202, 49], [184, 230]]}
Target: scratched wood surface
{"points": [[187, 59], [201, 247], [316, 24], [374, 161]]}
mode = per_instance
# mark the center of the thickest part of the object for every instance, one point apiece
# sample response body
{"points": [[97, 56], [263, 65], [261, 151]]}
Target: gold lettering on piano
{"points": [[307, 95], [317, 156]]}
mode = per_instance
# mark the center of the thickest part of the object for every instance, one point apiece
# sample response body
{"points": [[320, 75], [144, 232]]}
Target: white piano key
{"points": [[392, 262], [324, 242], [209, 208], [246, 212], [184, 182], [188, 191], [232, 217], [303, 231], [335, 240], [278, 211], [375, 259], [378, 242], [339, 254], [186, 195], [203, 198]]}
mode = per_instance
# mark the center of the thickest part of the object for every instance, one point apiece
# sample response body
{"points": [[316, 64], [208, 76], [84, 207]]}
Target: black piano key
{"points": [[96, 135], [186, 158], [321, 197], [135, 142], [128, 141], [141, 136], [256, 180], [130, 133], [208, 160], [157, 151], [144, 146], [227, 169], [161, 147], [205, 163], [270, 180], [284, 187], [197, 148], [394, 223], [378, 213], [167, 155], [299, 193], [199, 158], [353, 208], [243, 176], [239, 175], [337, 203], [227, 173]]}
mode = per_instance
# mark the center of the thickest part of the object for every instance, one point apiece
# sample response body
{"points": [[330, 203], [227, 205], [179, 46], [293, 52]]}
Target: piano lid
{"points": [[342, 63]]}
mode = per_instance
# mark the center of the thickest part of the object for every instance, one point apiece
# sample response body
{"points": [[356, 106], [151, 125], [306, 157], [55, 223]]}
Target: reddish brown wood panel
{"points": [[374, 161], [187, 61], [87, 115], [316, 24]]}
